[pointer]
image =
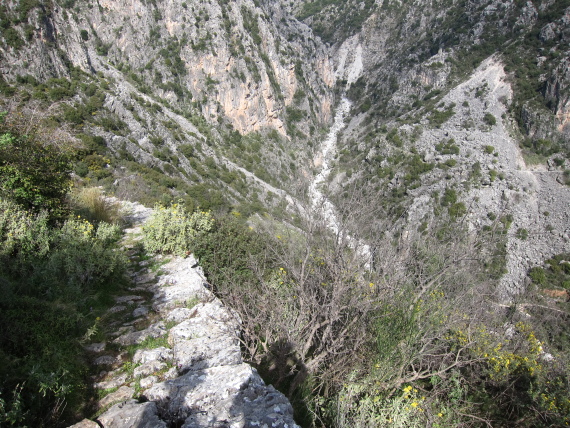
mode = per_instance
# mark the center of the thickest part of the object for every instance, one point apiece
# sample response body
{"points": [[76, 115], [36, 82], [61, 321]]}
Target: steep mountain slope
{"points": [[175, 85], [429, 135], [409, 159]]}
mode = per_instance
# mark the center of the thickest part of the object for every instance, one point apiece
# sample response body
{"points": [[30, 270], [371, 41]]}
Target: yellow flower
{"points": [[415, 404], [407, 388]]}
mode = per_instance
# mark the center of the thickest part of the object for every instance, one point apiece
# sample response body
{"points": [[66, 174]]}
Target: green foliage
{"points": [[172, 59], [448, 147], [149, 343], [33, 173], [334, 18], [13, 39], [522, 234], [555, 272], [294, 114], [12, 413], [173, 230], [187, 150], [489, 119], [457, 210], [91, 204], [226, 253], [359, 408], [112, 123], [449, 197], [251, 25], [50, 278], [439, 117], [537, 275]]}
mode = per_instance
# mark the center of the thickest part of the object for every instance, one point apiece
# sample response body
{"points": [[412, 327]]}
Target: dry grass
{"points": [[91, 204]]}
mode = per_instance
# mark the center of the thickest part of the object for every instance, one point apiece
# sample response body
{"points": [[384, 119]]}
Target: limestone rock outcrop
{"points": [[196, 376]]}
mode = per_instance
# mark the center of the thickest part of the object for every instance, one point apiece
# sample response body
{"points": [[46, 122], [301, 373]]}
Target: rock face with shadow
{"points": [[199, 378]]}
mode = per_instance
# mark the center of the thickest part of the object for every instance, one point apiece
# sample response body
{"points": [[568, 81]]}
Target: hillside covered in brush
{"points": [[388, 184]]}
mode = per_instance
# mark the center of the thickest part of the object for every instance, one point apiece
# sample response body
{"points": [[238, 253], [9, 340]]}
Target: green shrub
{"points": [[449, 197], [538, 275], [489, 119], [522, 234], [294, 114], [173, 230], [439, 117], [32, 173], [448, 148], [91, 204], [457, 210], [50, 279], [22, 233], [226, 253]]}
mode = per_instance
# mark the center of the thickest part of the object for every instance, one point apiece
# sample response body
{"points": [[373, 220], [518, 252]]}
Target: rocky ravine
{"points": [[534, 197], [199, 379], [488, 171]]}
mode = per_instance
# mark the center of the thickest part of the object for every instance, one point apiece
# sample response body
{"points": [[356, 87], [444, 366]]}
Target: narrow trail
{"points": [[172, 356]]}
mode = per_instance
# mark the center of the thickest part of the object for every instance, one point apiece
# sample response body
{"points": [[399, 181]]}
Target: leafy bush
{"points": [[173, 230], [22, 234], [537, 275], [522, 234], [448, 148], [226, 253], [50, 280], [73, 259], [32, 173], [439, 117]]}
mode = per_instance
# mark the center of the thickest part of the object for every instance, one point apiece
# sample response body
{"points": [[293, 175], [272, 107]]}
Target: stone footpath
{"points": [[186, 368]]}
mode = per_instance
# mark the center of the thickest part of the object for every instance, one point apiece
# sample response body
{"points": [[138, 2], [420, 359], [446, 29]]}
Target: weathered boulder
{"points": [[143, 356], [131, 414], [132, 338], [122, 394], [205, 352], [85, 423], [233, 394]]}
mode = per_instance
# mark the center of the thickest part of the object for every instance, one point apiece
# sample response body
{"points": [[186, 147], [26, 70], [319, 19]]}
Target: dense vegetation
{"points": [[57, 270], [335, 20], [419, 339]]}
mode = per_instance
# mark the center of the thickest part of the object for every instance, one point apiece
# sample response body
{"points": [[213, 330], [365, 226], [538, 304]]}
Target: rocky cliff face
{"points": [[233, 60], [425, 126], [413, 50], [234, 96], [150, 77]]}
